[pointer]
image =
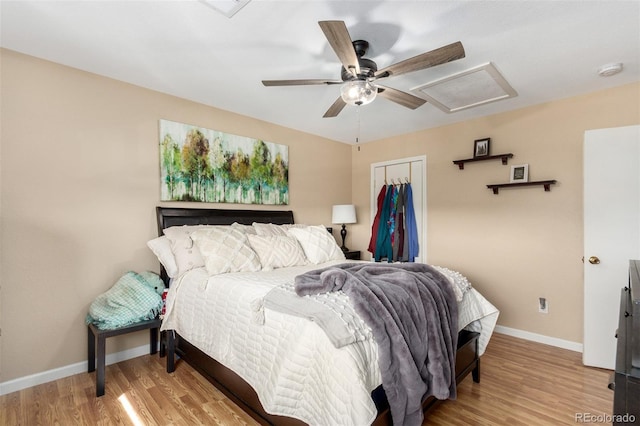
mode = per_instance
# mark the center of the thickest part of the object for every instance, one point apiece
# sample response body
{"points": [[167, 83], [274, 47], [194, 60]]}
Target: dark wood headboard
{"points": [[178, 216]]}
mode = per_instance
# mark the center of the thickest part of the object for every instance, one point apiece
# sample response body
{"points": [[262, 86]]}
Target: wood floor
{"points": [[522, 383]]}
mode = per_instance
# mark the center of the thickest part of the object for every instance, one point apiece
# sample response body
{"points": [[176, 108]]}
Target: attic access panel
{"points": [[474, 87], [227, 7]]}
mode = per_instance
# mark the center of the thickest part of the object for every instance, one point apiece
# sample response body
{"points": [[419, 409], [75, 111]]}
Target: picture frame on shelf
{"points": [[481, 147], [519, 174]]}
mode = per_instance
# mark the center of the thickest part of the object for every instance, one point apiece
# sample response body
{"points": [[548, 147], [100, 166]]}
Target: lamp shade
{"points": [[344, 213]]}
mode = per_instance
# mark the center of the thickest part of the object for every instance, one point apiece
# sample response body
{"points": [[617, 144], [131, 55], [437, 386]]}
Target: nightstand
{"points": [[96, 334], [353, 255]]}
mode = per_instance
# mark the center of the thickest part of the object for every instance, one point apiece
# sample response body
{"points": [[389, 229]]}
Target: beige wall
{"points": [[522, 243], [79, 184]]}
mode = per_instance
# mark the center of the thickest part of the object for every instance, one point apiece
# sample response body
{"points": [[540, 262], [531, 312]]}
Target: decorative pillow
{"points": [[288, 226], [277, 251], [247, 229], [225, 249], [161, 247], [318, 245], [184, 250], [271, 229]]}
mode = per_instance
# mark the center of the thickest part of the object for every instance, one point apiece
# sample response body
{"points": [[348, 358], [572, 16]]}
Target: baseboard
{"points": [[540, 338], [66, 371]]}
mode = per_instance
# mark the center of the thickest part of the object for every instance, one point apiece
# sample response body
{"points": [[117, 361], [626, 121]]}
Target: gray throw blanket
{"points": [[412, 311]]}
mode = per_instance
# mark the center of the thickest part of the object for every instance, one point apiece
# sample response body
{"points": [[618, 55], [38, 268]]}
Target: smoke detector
{"points": [[609, 69]]}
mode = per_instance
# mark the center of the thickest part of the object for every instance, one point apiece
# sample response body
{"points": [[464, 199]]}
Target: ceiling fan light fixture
{"points": [[358, 92]]}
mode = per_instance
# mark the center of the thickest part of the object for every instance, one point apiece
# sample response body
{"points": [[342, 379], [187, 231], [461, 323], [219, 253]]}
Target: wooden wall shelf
{"points": [[503, 157], [546, 183]]}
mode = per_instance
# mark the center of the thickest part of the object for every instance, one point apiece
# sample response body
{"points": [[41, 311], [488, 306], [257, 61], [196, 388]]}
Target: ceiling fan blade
{"points": [[403, 98], [335, 109], [435, 57], [338, 36], [299, 82]]}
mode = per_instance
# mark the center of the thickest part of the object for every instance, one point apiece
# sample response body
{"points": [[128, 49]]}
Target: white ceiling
{"points": [[545, 49]]}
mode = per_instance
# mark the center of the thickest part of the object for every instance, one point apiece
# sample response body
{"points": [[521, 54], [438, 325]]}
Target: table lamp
{"points": [[343, 214]]}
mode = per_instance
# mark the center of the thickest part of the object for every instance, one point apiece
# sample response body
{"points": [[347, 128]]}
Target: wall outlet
{"points": [[543, 305]]}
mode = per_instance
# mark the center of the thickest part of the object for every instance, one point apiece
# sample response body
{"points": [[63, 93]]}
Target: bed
{"points": [[279, 368]]}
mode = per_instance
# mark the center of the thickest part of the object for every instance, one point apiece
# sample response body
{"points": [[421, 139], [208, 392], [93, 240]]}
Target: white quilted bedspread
{"points": [[288, 360]]}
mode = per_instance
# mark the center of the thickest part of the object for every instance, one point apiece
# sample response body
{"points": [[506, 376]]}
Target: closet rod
{"points": [[406, 179]]}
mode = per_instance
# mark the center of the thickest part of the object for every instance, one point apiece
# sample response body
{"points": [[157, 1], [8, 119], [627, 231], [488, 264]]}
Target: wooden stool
{"points": [[101, 336]]}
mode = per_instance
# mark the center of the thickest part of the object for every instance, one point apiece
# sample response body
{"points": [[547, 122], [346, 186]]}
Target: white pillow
{"points": [[161, 247], [288, 226], [247, 229], [277, 251], [225, 249], [184, 250], [271, 229], [318, 245]]}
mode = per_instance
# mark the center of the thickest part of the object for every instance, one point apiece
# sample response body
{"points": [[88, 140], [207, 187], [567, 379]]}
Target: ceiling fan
{"points": [[360, 75]]}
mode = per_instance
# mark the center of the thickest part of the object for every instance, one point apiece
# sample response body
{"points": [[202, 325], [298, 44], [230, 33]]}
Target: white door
{"points": [[611, 234]]}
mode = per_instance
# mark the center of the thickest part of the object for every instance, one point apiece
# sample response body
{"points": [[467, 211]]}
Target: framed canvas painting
{"points": [[210, 166]]}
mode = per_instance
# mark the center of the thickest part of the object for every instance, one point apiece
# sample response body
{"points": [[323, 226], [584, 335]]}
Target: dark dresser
{"points": [[626, 379]]}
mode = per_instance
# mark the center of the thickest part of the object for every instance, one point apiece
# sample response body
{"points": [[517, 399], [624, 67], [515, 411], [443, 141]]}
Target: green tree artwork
{"points": [[210, 166]]}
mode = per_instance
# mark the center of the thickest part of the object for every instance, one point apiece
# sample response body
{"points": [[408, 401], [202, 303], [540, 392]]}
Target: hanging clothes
{"points": [[412, 245], [383, 240], [376, 220], [398, 233], [394, 232], [392, 213]]}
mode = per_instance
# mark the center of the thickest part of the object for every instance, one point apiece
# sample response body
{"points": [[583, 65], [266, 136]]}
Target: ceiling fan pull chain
{"points": [[358, 130]]}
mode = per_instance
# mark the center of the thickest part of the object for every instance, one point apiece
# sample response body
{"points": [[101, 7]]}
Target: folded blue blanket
{"points": [[133, 298]]}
